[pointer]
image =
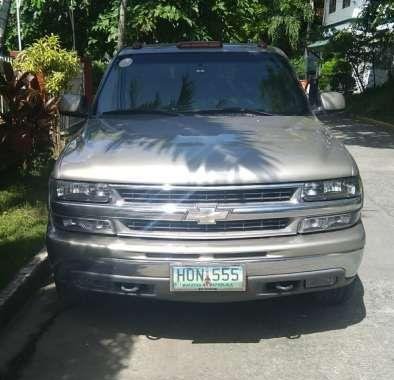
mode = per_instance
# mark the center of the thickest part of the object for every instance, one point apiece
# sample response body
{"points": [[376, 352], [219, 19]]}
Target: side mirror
{"points": [[332, 101], [73, 105]]}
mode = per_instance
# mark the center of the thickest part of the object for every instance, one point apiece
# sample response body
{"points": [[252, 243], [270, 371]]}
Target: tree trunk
{"points": [[307, 36], [373, 69], [360, 82], [4, 12], [122, 24]]}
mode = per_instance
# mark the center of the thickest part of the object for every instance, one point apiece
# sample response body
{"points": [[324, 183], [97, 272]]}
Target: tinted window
{"points": [[188, 82]]}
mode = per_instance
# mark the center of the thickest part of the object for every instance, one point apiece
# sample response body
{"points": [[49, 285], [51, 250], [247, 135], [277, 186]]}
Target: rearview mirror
{"points": [[73, 105], [332, 101]]}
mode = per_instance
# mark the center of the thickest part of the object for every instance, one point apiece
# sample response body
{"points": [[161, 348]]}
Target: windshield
{"points": [[198, 82]]}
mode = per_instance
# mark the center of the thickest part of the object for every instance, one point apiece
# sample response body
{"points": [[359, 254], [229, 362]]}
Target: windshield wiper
{"points": [[136, 111], [231, 110]]}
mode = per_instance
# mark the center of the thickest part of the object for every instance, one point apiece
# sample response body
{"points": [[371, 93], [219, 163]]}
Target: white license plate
{"points": [[208, 278]]}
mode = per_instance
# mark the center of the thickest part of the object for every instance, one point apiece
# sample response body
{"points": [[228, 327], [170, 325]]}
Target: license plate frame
{"points": [[207, 268]]}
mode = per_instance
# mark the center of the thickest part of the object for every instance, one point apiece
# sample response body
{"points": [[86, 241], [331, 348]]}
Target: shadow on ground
{"points": [[97, 339], [248, 322], [359, 133]]}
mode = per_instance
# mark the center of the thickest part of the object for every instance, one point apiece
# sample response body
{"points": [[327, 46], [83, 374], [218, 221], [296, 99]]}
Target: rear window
{"points": [[190, 82]]}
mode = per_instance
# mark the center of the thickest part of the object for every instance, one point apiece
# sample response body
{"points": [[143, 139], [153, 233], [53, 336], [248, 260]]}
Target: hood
{"points": [[204, 150]]}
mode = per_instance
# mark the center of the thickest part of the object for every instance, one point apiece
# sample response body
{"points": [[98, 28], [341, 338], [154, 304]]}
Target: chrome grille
{"points": [[220, 226], [277, 194]]}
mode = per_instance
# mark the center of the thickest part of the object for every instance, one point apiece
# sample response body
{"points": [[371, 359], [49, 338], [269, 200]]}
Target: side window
{"points": [[332, 6], [345, 3]]}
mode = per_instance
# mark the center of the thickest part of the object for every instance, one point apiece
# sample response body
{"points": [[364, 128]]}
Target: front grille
{"points": [[240, 195], [222, 226]]}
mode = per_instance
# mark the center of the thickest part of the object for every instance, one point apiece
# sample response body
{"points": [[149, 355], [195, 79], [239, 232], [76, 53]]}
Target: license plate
{"points": [[207, 278]]}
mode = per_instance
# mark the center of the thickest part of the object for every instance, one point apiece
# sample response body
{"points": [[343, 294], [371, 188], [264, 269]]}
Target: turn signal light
{"points": [[328, 222]]}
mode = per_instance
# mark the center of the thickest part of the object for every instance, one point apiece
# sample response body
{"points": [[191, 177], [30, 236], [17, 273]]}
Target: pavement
{"points": [[289, 338]]}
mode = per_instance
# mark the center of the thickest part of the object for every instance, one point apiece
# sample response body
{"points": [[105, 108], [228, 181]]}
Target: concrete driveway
{"points": [[292, 338]]}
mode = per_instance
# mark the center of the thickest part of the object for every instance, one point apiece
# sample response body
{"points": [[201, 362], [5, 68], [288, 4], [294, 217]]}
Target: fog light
{"points": [[99, 226], [317, 282], [329, 222]]}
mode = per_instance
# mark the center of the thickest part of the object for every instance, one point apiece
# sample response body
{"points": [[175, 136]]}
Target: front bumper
{"points": [[141, 267]]}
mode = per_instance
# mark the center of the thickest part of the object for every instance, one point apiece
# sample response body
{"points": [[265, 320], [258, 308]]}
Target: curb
{"points": [[26, 282]]}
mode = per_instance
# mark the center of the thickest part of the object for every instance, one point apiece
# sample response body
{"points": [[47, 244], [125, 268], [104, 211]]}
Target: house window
{"points": [[332, 6], [345, 3]]}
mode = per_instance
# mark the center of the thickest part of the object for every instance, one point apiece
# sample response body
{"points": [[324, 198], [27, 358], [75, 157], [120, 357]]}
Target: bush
{"points": [[98, 69], [336, 74], [376, 103], [27, 124], [48, 60], [299, 66], [54, 68]]}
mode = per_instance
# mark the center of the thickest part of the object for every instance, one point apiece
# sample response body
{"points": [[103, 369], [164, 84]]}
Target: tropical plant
{"points": [[48, 60], [26, 129], [288, 20], [336, 74]]}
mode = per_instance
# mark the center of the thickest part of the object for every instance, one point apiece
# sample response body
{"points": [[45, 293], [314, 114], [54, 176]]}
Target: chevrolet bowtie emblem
{"points": [[206, 215]]}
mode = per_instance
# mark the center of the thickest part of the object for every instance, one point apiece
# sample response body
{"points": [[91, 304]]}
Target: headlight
{"points": [[328, 222], [81, 192], [341, 188]]}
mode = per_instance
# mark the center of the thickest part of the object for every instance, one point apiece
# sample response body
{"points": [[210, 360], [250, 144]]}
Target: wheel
{"points": [[68, 296], [336, 296]]}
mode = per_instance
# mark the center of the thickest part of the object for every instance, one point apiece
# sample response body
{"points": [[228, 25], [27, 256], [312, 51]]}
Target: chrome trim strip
{"points": [[208, 187]]}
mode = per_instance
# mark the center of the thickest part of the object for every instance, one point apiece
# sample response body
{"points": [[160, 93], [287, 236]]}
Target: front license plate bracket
{"points": [[215, 277]]}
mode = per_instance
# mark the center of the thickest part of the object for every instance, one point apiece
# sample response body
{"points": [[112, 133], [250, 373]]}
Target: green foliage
{"points": [[279, 22], [376, 103], [45, 56], [298, 64], [98, 69], [27, 122], [336, 74], [23, 219], [368, 41], [288, 19]]}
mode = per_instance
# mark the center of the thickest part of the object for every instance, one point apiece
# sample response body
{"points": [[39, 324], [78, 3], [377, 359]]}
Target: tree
{"points": [[351, 47], [289, 18], [4, 12], [376, 25], [122, 24], [369, 42], [101, 26]]}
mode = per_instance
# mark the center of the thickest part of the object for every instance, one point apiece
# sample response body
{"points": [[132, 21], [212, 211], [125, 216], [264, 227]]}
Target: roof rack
{"points": [[199, 45]]}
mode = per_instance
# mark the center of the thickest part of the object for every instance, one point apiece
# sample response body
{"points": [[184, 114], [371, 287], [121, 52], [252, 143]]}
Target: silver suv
{"points": [[201, 174]]}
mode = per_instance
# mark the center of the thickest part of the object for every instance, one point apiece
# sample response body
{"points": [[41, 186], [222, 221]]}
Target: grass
{"points": [[377, 103], [23, 218]]}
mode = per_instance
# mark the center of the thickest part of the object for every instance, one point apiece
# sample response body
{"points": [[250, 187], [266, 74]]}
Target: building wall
{"points": [[341, 17]]}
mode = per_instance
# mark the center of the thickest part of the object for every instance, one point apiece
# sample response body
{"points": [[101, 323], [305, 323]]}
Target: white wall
{"points": [[342, 14]]}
